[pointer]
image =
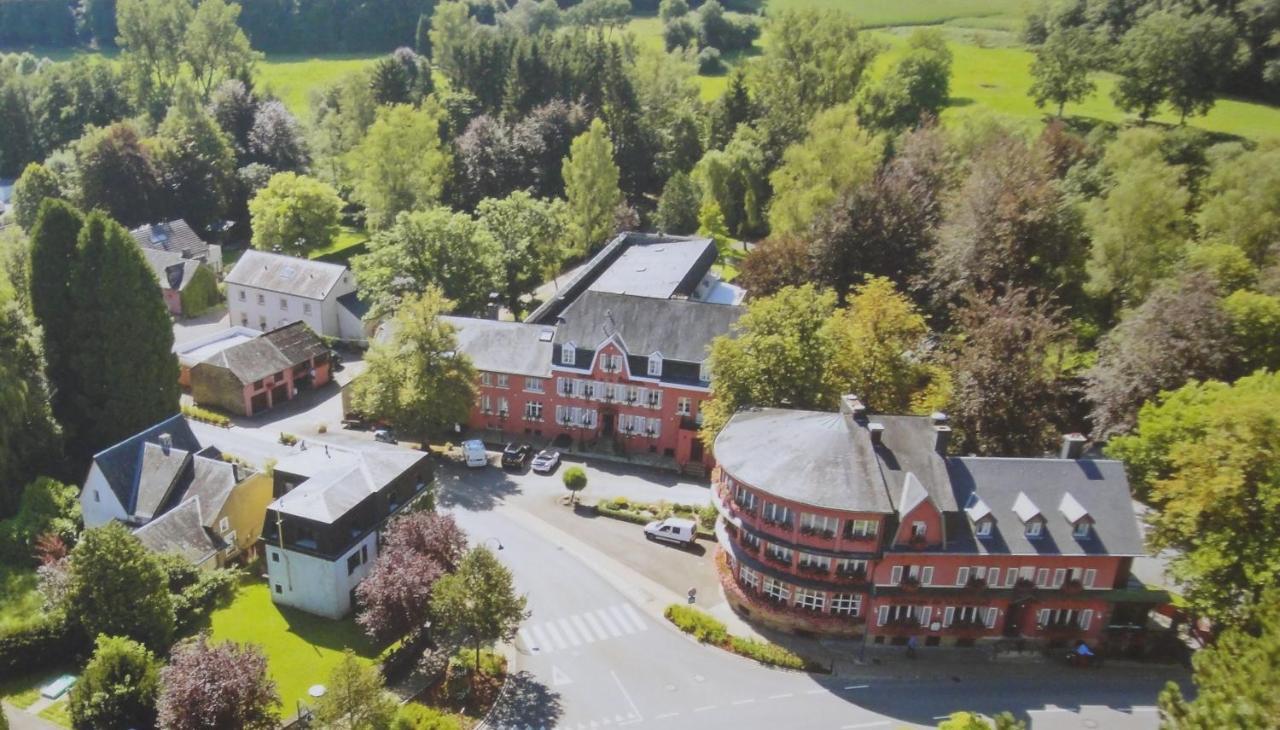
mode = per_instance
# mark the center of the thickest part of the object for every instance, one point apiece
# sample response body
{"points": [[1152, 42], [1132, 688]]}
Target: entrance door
{"points": [[695, 450], [1013, 619], [606, 424]]}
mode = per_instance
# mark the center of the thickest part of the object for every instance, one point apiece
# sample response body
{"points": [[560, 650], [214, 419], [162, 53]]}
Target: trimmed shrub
{"points": [[414, 716], [702, 626], [288, 439], [623, 514], [204, 415], [30, 647], [201, 293], [575, 480], [765, 653]]}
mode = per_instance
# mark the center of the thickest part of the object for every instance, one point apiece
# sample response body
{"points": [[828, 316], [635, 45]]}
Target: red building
{"points": [[616, 360], [257, 374], [845, 523]]}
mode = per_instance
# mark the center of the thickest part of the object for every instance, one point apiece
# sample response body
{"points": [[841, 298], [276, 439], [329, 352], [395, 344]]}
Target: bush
{"points": [[575, 480], [118, 687], [709, 61], [492, 664], [29, 647], [765, 653], [622, 514], [288, 439], [619, 503], [46, 506], [195, 593], [703, 627], [414, 716], [204, 415]]}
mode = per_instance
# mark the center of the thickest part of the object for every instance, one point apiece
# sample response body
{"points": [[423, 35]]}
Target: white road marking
{"points": [[627, 695], [558, 677], [782, 696], [635, 615], [569, 633], [608, 623], [595, 625], [743, 702], [541, 637], [666, 716], [529, 643], [622, 620], [877, 723], [582, 628], [555, 635], [704, 708], [858, 686]]}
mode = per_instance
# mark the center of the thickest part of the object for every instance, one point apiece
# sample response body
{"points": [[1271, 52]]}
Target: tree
{"points": [[836, 156], [215, 47], [530, 235], [1242, 201], [232, 105], [1060, 71], [974, 721], [1006, 392], [276, 138], [118, 687], [415, 379], [47, 509], [389, 82], [341, 112], [53, 255], [1207, 452], [118, 589], [401, 164], [814, 60], [355, 697], [122, 363], [1174, 56], [678, 206], [591, 186], [734, 107], [711, 224], [495, 158], [736, 179], [395, 597], [1234, 677], [118, 174], [777, 357], [575, 480], [1255, 327], [915, 89], [478, 602], [1184, 322], [879, 351], [431, 248], [294, 214], [151, 38], [775, 263], [412, 716], [35, 184], [217, 685], [195, 163]]}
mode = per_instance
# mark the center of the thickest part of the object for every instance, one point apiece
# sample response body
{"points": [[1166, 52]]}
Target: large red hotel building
{"points": [[615, 362], [845, 523]]}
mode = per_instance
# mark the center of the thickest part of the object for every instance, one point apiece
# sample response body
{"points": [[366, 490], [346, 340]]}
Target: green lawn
{"points": [[292, 78], [301, 649], [347, 237], [881, 13], [59, 712], [19, 599]]}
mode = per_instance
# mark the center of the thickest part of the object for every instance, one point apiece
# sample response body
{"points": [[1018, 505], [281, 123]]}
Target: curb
{"points": [[510, 654]]}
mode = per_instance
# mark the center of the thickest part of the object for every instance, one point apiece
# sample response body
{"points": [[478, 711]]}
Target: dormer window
{"points": [[1083, 529], [919, 529], [1077, 515], [568, 354], [1035, 528], [655, 365], [704, 371], [983, 527]]}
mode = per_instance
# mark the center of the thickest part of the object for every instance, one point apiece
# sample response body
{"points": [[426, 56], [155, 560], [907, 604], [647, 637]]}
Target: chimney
{"points": [[939, 418], [877, 433], [166, 442], [494, 304], [941, 439], [1073, 445]]}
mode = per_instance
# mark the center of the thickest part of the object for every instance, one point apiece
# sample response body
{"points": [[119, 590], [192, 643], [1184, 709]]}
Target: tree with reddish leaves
{"points": [[431, 534], [394, 597], [216, 686], [775, 263]]}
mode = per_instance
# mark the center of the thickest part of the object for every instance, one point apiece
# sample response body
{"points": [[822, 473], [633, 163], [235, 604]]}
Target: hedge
{"points": [[765, 653], [31, 647], [621, 509], [709, 630], [705, 628], [204, 415]]}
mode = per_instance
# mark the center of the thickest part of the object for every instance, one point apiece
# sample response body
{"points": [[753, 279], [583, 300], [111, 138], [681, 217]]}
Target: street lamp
{"points": [[495, 540]]}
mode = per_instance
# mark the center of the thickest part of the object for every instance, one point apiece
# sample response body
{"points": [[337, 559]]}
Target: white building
{"points": [[320, 535], [268, 290]]}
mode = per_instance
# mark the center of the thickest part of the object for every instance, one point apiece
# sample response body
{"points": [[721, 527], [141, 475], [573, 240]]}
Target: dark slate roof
{"points": [[811, 457], [337, 480], [273, 352], [907, 447], [505, 347], [1099, 485], [181, 530], [122, 464], [352, 302], [175, 236], [211, 480], [171, 270], [158, 473], [286, 274], [677, 328]]}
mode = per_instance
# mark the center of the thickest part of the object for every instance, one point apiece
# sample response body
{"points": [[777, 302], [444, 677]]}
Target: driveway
{"points": [[215, 320]]}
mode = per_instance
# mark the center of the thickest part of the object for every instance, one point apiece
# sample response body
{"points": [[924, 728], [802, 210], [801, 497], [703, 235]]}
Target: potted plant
{"points": [[910, 584], [1072, 587]]}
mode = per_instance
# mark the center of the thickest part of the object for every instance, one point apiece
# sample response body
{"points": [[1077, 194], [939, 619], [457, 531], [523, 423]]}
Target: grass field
{"points": [[881, 13], [19, 600], [292, 78], [301, 649]]}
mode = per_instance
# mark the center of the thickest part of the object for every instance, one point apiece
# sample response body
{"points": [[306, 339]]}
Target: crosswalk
{"points": [[583, 628]]}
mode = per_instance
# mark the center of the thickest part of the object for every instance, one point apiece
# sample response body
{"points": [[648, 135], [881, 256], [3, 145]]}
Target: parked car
{"points": [[676, 530], [385, 435], [473, 453], [546, 461], [516, 456]]}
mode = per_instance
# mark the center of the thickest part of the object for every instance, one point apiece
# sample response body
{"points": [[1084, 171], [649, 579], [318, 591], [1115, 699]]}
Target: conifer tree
{"points": [[591, 185], [53, 257]]}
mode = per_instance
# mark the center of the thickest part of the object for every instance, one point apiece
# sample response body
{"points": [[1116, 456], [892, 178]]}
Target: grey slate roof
{"points": [[1099, 485], [679, 329], [158, 474], [810, 457], [121, 464], [180, 530], [336, 480], [658, 269], [352, 302], [171, 269], [174, 236], [908, 448], [505, 347], [286, 274], [273, 352]]}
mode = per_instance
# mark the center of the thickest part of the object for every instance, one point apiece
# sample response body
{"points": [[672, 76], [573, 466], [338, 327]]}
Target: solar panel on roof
{"points": [[288, 272]]}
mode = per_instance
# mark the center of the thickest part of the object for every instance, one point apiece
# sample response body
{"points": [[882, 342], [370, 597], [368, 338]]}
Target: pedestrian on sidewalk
{"points": [[911, 647]]}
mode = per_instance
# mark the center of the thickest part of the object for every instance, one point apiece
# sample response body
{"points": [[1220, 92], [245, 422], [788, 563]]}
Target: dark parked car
{"points": [[516, 456]]}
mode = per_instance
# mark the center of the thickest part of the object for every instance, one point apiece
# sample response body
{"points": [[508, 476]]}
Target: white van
{"points": [[673, 529], [473, 453]]}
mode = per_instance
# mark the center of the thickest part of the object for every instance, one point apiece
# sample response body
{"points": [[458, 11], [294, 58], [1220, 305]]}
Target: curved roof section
{"points": [[811, 457]]}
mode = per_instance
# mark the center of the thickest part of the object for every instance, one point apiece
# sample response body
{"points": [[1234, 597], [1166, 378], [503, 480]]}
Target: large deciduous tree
{"points": [[591, 186], [118, 174], [401, 164], [34, 185], [215, 686], [735, 178], [1177, 56], [118, 687], [151, 38], [195, 162], [117, 588], [395, 597], [530, 236], [1060, 71], [294, 214], [775, 263], [1242, 201], [478, 604], [915, 89], [215, 47], [415, 379]]}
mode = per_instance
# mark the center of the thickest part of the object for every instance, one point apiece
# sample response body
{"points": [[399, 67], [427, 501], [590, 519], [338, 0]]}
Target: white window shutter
{"points": [[927, 577], [1086, 618], [883, 617], [1043, 617], [993, 577], [948, 615], [895, 576], [1090, 576], [1042, 577], [962, 577], [991, 617], [925, 614], [1059, 577]]}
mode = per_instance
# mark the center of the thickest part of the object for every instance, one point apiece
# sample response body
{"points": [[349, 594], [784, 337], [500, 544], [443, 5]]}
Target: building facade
{"points": [[850, 524], [616, 361], [255, 374], [268, 290]]}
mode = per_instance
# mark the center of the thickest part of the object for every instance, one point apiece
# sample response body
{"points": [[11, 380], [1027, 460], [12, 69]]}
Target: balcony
{"points": [[854, 577], [817, 532], [813, 569]]}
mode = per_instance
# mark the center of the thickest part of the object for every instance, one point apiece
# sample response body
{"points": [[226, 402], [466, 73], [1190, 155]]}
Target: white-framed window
{"points": [[926, 575], [565, 386], [533, 385], [562, 415], [750, 540], [503, 407], [1010, 578], [533, 410], [779, 553], [503, 380], [224, 524], [262, 322], [1059, 577], [625, 424], [776, 513], [588, 418], [811, 599], [588, 388], [919, 529], [895, 575], [1083, 528], [262, 299], [568, 354], [749, 577], [655, 365], [1034, 528], [993, 577], [744, 497], [486, 404], [1063, 618], [1042, 577], [704, 371], [284, 304], [859, 529], [1090, 575], [851, 566], [684, 406], [983, 528], [612, 363], [242, 297], [776, 589], [653, 428], [655, 398], [962, 575], [846, 604], [486, 378], [810, 561], [306, 307], [633, 394], [819, 524]]}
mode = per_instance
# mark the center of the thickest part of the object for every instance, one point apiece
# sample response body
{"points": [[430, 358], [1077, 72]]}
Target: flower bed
{"points": [[204, 415], [709, 630], [642, 513]]}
